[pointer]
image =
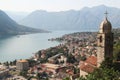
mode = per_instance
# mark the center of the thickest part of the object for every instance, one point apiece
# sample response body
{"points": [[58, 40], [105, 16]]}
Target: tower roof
{"points": [[105, 26]]}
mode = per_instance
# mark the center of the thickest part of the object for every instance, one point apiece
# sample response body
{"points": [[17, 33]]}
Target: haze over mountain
{"points": [[84, 19], [16, 16], [10, 27]]}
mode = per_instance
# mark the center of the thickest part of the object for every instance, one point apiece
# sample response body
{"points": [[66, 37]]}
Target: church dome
{"points": [[105, 26]]}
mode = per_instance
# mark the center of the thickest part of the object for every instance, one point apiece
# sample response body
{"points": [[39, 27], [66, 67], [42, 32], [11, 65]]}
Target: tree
{"points": [[67, 78], [39, 76], [31, 62], [6, 63], [42, 76], [117, 51], [71, 59], [14, 62], [11, 63], [76, 70], [24, 74], [83, 58], [107, 63], [103, 74]]}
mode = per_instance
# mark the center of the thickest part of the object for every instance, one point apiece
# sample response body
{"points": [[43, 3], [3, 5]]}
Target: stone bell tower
{"points": [[105, 41]]}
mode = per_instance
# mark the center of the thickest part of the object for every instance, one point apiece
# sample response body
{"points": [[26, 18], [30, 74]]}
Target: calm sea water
{"points": [[23, 46]]}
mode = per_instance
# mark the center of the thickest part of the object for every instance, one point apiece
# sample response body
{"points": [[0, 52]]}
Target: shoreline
{"points": [[54, 39]]}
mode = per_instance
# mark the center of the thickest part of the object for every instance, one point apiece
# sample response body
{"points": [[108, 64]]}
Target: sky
{"points": [[53, 5]]}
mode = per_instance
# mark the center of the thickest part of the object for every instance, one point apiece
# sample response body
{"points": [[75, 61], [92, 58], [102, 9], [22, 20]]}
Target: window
{"points": [[100, 39]]}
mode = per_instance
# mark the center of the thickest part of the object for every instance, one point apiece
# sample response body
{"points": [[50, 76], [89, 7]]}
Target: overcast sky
{"points": [[53, 5]]}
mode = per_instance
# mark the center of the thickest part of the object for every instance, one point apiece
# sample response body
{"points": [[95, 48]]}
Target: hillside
{"points": [[84, 19], [10, 27]]}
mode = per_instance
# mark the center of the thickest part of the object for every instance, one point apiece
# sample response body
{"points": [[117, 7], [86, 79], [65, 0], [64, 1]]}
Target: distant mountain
{"points": [[84, 19], [16, 16], [10, 27]]}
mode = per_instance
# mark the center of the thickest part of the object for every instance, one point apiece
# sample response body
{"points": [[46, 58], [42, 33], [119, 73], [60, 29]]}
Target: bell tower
{"points": [[105, 41]]}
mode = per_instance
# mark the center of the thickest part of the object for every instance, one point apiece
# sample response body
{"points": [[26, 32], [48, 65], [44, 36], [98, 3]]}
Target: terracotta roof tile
{"points": [[87, 67], [22, 61], [92, 60]]}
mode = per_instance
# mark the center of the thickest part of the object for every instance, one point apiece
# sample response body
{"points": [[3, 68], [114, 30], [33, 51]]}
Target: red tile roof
{"points": [[89, 65], [92, 60], [87, 68]]}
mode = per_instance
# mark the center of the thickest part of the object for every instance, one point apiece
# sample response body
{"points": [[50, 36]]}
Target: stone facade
{"points": [[22, 65], [104, 49], [105, 42]]}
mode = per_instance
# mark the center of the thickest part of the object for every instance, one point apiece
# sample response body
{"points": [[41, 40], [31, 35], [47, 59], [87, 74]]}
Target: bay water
{"points": [[23, 46]]}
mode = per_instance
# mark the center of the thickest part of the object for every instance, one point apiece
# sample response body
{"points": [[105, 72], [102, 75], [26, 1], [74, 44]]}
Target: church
{"points": [[104, 48]]}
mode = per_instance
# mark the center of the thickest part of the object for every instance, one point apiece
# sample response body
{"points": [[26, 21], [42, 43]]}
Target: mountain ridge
{"points": [[84, 19], [10, 27]]}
